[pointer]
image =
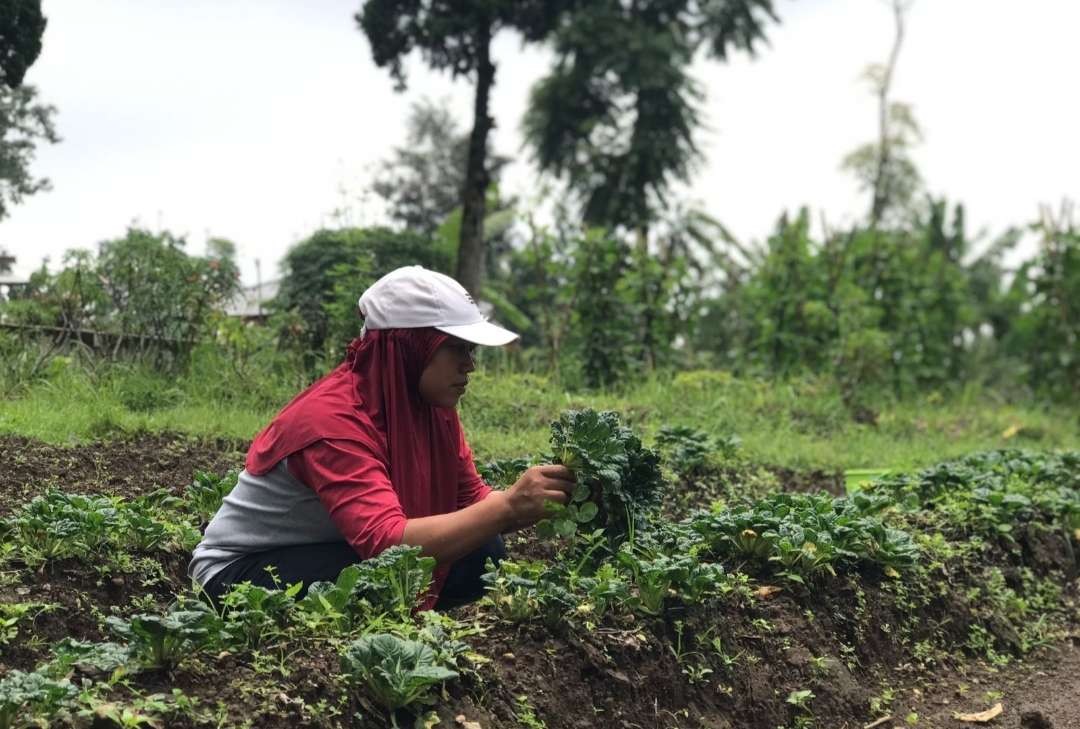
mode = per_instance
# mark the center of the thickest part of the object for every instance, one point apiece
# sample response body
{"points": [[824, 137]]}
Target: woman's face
{"points": [[443, 381]]}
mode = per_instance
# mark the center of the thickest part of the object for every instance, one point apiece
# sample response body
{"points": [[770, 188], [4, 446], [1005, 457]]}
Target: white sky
{"points": [[256, 119]]}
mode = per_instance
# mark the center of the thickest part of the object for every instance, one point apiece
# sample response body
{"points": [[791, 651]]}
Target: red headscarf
{"points": [[373, 398]]}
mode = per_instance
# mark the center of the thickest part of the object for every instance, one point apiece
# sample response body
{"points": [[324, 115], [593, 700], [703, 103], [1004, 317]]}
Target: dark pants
{"points": [[309, 563]]}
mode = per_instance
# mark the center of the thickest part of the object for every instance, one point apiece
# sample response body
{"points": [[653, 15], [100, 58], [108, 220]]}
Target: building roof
{"points": [[252, 301]]}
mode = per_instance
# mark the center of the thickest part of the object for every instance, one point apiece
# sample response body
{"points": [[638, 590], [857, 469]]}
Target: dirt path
{"points": [[1041, 693]]}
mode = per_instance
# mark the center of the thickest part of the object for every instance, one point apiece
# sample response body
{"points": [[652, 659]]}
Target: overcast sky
{"points": [[256, 119]]}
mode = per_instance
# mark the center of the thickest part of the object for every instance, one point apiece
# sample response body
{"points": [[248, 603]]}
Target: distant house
{"points": [[252, 303], [8, 280]]}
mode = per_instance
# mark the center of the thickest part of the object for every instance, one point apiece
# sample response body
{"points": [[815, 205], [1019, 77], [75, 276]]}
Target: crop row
{"points": [[615, 556]]}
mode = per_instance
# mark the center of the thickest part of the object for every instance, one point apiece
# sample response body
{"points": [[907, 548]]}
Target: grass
{"points": [[799, 423]]}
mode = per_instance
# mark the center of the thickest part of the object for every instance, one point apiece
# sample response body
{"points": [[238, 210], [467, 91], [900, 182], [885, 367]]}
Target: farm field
{"points": [[773, 365], [742, 593]]}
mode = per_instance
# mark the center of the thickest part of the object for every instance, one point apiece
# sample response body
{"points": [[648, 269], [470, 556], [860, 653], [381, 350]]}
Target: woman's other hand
{"points": [[528, 497]]}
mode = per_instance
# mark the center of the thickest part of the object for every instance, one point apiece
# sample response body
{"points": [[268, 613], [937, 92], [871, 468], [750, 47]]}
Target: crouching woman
{"points": [[373, 455]]}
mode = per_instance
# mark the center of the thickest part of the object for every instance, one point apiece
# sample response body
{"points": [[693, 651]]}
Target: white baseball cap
{"points": [[412, 297]]}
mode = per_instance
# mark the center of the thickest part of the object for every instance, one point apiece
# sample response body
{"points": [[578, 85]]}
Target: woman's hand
{"points": [[537, 486]]}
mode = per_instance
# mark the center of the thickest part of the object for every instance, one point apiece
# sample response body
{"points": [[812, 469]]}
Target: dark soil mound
{"points": [[127, 467]]}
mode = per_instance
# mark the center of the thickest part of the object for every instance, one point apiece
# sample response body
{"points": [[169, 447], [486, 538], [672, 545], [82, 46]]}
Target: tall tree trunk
{"points": [[882, 193], [470, 262]]}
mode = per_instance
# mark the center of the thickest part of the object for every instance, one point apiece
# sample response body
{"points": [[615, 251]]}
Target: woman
{"points": [[373, 455]]}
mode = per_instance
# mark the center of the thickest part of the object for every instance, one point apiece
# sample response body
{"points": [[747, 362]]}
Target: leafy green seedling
{"points": [[29, 698], [164, 640], [396, 671]]}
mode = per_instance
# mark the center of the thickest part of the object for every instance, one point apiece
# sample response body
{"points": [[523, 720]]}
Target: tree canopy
{"points": [[629, 133], [21, 28], [23, 123], [455, 36]]}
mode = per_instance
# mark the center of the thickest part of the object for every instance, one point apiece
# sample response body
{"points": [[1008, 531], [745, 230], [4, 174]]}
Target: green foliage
{"points": [[397, 672], [13, 613], [520, 591], [687, 450], [619, 480], [330, 606], [57, 525], [324, 275], [629, 135], [502, 473], [162, 641], [807, 534], [142, 292], [204, 496], [24, 123], [393, 580], [26, 697], [1045, 331], [105, 658], [156, 290], [887, 311], [601, 326], [21, 27], [253, 614], [992, 493]]}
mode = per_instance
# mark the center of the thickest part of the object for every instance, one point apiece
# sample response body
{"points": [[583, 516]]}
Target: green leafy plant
{"points": [[397, 672], [163, 641], [502, 473], [393, 580], [688, 450], [330, 605], [619, 480], [13, 613], [805, 534], [207, 491], [522, 591], [31, 698], [89, 657], [254, 614]]}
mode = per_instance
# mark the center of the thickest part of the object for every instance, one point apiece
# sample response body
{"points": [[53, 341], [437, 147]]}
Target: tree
{"points": [[618, 113], [21, 28], [324, 275], [455, 36], [885, 168], [422, 180], [23, 122]]}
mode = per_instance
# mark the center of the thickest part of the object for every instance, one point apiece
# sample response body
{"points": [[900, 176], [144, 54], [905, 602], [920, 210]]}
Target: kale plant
{"points": [[397, 672], [689, 450], [619, 480], [502, 474]]}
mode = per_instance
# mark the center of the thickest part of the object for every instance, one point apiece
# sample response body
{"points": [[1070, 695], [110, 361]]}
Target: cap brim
{"points": [[482, 332]]}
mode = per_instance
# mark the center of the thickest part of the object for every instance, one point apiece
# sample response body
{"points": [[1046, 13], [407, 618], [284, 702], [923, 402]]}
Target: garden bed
{"points": [[762, 648]]}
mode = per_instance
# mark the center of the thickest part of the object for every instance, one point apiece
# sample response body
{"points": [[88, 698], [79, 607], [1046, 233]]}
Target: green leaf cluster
{"points": [[619, 480], [806, 534], [57, 525], [31, 696], [397, 671], [162, 641], [992, 492]]}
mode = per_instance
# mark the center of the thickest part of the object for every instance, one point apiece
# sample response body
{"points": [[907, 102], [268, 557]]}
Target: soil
{"points": [[129, 467], [1043, 693], [844, 639]]}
